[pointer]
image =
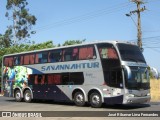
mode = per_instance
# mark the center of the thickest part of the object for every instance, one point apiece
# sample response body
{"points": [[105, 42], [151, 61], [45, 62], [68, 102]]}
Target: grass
{"points": [[155, 90]]}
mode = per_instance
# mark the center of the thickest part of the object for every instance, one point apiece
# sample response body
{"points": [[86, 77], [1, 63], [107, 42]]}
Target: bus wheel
{"points": [[27, 96], [18, 96], [79, 99], [95, 100]]}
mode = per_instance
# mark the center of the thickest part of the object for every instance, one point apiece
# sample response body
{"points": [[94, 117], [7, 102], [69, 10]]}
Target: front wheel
{"points": [[18, 97], [95, 100], [27, 96], [79, 99]]}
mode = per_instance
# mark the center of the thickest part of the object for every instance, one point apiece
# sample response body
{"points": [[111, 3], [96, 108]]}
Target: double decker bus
{"points": [[109, 72]]}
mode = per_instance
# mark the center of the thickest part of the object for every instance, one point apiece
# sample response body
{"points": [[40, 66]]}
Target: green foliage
{"points": [[73, 42], [5, 40], [22, 20], [18, 3], [150, 73]]}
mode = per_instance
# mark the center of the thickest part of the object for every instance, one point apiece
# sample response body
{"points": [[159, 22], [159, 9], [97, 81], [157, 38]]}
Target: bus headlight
{"points": [[130, 95], [148, 94]]}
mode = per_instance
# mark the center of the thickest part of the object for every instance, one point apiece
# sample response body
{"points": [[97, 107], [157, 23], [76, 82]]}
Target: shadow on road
{"points": [[126, 107], [119, 107]]}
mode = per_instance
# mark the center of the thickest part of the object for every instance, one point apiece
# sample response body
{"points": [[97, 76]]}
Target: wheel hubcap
{"points": [[95, 99], [79, 98], [27, 96], [18, 95]]}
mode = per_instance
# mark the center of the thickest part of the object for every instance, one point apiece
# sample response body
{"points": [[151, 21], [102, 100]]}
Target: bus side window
{"points": [[8, 61], [103, 52], [54, 79], [82, 53], [17, 60], [112, 53], [54, 56], [11, 62], [108, 53], [65, 78], [21, 63], [41, 57], [39, 79], [57, 79], [51, 57], [67, 54], [90, 53], [31, 59], [31, 79], [77, 78], [26, 59], [86, 52], [75, 54], [50, 79]]}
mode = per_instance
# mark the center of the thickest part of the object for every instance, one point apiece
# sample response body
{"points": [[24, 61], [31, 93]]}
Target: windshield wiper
{"points": [[140, 60], [126, 58]]}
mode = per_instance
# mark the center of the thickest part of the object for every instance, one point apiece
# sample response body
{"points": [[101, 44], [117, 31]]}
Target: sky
{"points": [[93, 20]]}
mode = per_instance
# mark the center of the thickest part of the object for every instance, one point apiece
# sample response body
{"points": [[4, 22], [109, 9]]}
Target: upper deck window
{"points": [[70, 54], [28, 59], [18, 60], [107, 51], [87, 52], [41, 57], [8, 61], [55, 56]]}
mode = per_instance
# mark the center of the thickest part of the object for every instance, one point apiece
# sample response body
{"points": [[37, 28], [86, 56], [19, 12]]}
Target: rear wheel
{"points": [[27, 96], [18, 97], [79, 99], [95, 100]]}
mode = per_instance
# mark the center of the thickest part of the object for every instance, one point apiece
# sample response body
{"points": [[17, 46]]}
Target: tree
{"points": [[73, 42], [22, 20], [5, 40]]}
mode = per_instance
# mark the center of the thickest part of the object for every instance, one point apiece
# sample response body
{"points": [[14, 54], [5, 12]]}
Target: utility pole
{"points": [[138, 11]]}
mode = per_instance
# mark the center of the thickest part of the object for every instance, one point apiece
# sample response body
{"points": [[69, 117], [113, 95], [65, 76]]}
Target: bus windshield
{"points": [[139, 79], [130, 53]]}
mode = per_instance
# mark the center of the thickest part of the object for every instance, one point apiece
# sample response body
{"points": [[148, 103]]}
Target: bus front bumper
{"points": [[134, 100]]}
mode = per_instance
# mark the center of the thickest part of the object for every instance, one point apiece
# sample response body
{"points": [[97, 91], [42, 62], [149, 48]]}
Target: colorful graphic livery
{"points": [[100, 72]]}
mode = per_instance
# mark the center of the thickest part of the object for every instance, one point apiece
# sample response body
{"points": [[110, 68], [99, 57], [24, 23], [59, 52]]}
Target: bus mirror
{"points": [[127, 71]]}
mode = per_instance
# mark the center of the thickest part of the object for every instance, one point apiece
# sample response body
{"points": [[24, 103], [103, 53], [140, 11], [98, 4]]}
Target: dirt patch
{"points": [[155, 90]]}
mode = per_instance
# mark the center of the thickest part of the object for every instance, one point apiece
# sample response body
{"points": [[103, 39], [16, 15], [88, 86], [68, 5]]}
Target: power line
{"points": [[153, 47], [148, 1], [84, 17], [146, 38], [154, 50], [152, 31], [153, 42]]}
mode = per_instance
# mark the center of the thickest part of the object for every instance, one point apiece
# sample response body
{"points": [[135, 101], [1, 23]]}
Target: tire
{"points": [[95, 100], [79, 99], [27, 96], [18, 95]]}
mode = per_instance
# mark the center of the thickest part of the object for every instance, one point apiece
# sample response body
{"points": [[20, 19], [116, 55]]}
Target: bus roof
{"points": [[76, 45]]}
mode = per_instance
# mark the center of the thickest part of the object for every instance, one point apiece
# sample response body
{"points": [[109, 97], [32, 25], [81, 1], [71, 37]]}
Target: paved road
{"points": [[9, 104]]}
